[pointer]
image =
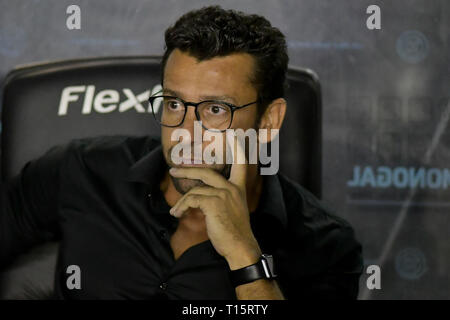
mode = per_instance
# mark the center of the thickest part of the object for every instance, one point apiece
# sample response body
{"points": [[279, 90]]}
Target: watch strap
{"points": [[263, 269]]}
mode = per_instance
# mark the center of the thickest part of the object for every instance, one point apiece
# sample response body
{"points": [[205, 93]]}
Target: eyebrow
{"points": [[221, 97]]}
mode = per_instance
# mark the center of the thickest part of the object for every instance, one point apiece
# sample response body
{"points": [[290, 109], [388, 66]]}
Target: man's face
{"points": [[220, 78]]}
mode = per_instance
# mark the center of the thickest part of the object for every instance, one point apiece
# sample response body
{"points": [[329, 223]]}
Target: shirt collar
{"points": [[271, 200], [148, 169], [151, 167]]}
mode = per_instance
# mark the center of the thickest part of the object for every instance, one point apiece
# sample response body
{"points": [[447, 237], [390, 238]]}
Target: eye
{"points": [[217, 109], [173, 105]]}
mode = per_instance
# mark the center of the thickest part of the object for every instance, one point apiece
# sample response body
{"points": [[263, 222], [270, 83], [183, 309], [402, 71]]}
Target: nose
{"points": [[189, 120]]}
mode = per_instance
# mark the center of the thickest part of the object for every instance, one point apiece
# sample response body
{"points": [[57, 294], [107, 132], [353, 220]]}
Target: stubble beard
{"points": [[183, 185]]}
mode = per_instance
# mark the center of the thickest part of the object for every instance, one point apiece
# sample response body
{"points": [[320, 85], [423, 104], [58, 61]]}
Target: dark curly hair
{"points": [[213, 31]]}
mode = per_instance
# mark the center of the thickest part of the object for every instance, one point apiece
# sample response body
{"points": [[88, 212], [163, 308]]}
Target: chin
{"points": [[184, 185]]}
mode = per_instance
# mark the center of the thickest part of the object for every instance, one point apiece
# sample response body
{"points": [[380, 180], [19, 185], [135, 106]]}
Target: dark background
{"points": [[385, 103]]}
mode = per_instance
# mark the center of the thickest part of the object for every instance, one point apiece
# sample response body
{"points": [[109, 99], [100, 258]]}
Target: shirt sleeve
{"points": [[342, 258], [28, 205], [341, 280]]}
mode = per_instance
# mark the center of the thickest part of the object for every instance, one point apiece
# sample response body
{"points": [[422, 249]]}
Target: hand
{"points": [[224, 204]]}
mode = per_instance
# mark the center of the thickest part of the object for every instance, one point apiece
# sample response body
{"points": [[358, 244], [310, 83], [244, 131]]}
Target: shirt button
{"points": [[163, 286]]}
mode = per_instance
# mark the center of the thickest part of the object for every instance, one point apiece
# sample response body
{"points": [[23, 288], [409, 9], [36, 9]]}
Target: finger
{"points": [[188, 201], [207, 175], [209, 191], [238, 173], [204, 191]]}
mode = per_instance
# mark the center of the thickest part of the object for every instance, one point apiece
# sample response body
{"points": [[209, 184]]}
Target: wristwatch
{"points": [[263, 269]]}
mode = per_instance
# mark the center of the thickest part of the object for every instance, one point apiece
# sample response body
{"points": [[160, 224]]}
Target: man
{"points": [[140, 226]]}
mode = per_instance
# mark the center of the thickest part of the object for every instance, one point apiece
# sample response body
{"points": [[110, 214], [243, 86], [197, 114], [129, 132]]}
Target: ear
{"points": [[273, 117]]}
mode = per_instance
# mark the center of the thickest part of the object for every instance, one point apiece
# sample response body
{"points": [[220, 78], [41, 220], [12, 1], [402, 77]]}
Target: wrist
{"points": [[244, 257]]}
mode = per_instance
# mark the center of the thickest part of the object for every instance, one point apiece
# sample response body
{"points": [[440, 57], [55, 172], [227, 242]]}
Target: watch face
{"points": [[268, 265]]}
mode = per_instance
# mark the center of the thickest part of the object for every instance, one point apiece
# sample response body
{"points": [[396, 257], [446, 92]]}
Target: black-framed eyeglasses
{"points": [[214, 115]]}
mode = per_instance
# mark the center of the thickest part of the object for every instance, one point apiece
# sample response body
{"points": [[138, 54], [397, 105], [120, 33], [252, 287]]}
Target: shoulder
{"points": [[328, 240], [113, 143], [107, 155]]}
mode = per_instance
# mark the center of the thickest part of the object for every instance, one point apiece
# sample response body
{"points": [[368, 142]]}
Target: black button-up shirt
{"points": [[100, 197]]}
